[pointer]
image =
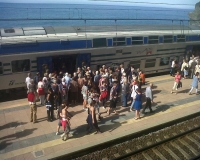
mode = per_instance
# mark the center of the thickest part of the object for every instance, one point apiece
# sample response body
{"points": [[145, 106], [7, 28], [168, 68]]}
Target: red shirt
{"points": [[177, 78]]}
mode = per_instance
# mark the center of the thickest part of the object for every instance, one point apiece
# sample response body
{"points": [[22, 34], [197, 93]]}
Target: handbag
{"points": [[103, 95], [48, 105]]}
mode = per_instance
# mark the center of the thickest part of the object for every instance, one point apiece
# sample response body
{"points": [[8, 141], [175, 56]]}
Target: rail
{"points": [[157, 144]]}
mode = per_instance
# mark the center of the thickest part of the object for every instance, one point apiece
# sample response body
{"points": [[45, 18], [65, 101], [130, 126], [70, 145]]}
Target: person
{"points": [[50, 105], [185, 68], [122, 68], [96, 79], [65, 122], [192, 65], [113, 99], [177, 80], [73, 90], [138, 103], [41, 91], [197, 67], [31, 99], [28, 78], [92, 114], [36, 78], [80, 85], [133, 94], [149, 98], [195, 83], [84, 92], [139, 80], [172, 71], [143, 77], [104, 93], [55, 90], [125, 91], [63, 105]]}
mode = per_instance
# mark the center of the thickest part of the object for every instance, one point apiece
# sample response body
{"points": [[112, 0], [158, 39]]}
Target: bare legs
{"points": [[137, 114]]}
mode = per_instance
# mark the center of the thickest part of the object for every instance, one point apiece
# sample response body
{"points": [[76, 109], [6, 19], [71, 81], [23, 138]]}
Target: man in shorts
{"points": [[64, 103]]}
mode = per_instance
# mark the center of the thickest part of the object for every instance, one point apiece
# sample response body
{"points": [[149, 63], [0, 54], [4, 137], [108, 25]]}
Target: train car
{"points": [[31, 49]]}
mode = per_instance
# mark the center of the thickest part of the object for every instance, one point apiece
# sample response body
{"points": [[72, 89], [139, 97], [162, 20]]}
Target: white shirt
{"points": [[28, 81], [40, 84], [133, 94], [197, 68], [122, 70], [173, 63]]}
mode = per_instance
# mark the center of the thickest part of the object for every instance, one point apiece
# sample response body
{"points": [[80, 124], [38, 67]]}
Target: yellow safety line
{"points": [[57, 142]]}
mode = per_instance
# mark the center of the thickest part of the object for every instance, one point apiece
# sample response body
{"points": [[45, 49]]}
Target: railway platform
{"points": [[23, 140]]}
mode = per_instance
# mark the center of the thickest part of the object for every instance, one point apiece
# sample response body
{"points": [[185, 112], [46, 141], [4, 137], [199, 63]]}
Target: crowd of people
{"points": [[94, 89], [185, 70], [102, 88]]}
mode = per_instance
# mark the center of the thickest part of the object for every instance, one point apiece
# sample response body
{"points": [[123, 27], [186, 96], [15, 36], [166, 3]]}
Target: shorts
{"points": [[85, 98], [60, 122]]}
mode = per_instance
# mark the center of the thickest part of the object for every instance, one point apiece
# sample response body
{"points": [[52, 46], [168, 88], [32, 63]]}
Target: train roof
{"points": [[31, 34]]}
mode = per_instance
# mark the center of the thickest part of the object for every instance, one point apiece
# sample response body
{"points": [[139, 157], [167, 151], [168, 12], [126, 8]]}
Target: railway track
{"points": [[180, 141], [185, 145]]}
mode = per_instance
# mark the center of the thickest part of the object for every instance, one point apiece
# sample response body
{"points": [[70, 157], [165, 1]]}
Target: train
{"points": [[150, 48]]}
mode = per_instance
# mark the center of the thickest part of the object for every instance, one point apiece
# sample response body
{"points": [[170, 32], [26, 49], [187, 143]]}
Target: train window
{"points": [[153, 39], [99, 42], [150, 63], [1, 68], [137, 40], [168, 39], [119, 41], [21, 65], [136, 64], [164, 61], [180, 38]]}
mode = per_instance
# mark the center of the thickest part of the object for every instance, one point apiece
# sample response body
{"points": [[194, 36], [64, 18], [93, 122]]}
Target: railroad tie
{"points": [[193, 140], [146, 156], [197, 135], [189, 146], [171, 152], [158, 154], [181, 150]]}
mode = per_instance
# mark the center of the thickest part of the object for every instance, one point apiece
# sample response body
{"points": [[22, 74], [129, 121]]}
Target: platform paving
{"points": [[20, 139]]}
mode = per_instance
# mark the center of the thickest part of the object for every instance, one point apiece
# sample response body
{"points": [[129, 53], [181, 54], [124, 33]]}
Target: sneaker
{"points": [[57, 133], [86, 109], [62, 135], [103, 107]]}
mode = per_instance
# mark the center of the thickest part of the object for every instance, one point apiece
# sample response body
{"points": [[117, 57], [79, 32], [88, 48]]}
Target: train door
{"points": [[44, 65], [65, 63], [83, 57]]}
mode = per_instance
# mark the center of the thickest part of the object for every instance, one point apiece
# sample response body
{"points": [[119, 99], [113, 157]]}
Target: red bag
{"points": [[103, 95], [31, 97], [41, 91]]}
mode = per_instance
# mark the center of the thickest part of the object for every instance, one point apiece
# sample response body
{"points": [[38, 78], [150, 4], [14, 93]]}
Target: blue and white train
{"points": [[150, 48]]}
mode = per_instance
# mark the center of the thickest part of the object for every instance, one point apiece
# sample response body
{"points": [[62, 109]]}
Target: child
{"points": [[65, 123]]}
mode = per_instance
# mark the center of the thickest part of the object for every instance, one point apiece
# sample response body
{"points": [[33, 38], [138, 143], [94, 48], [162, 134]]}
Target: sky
{"points": [[105, 2]]}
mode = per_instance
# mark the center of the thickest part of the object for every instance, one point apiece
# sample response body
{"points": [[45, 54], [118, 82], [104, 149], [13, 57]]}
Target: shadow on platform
{"points": [[5, 141]]}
